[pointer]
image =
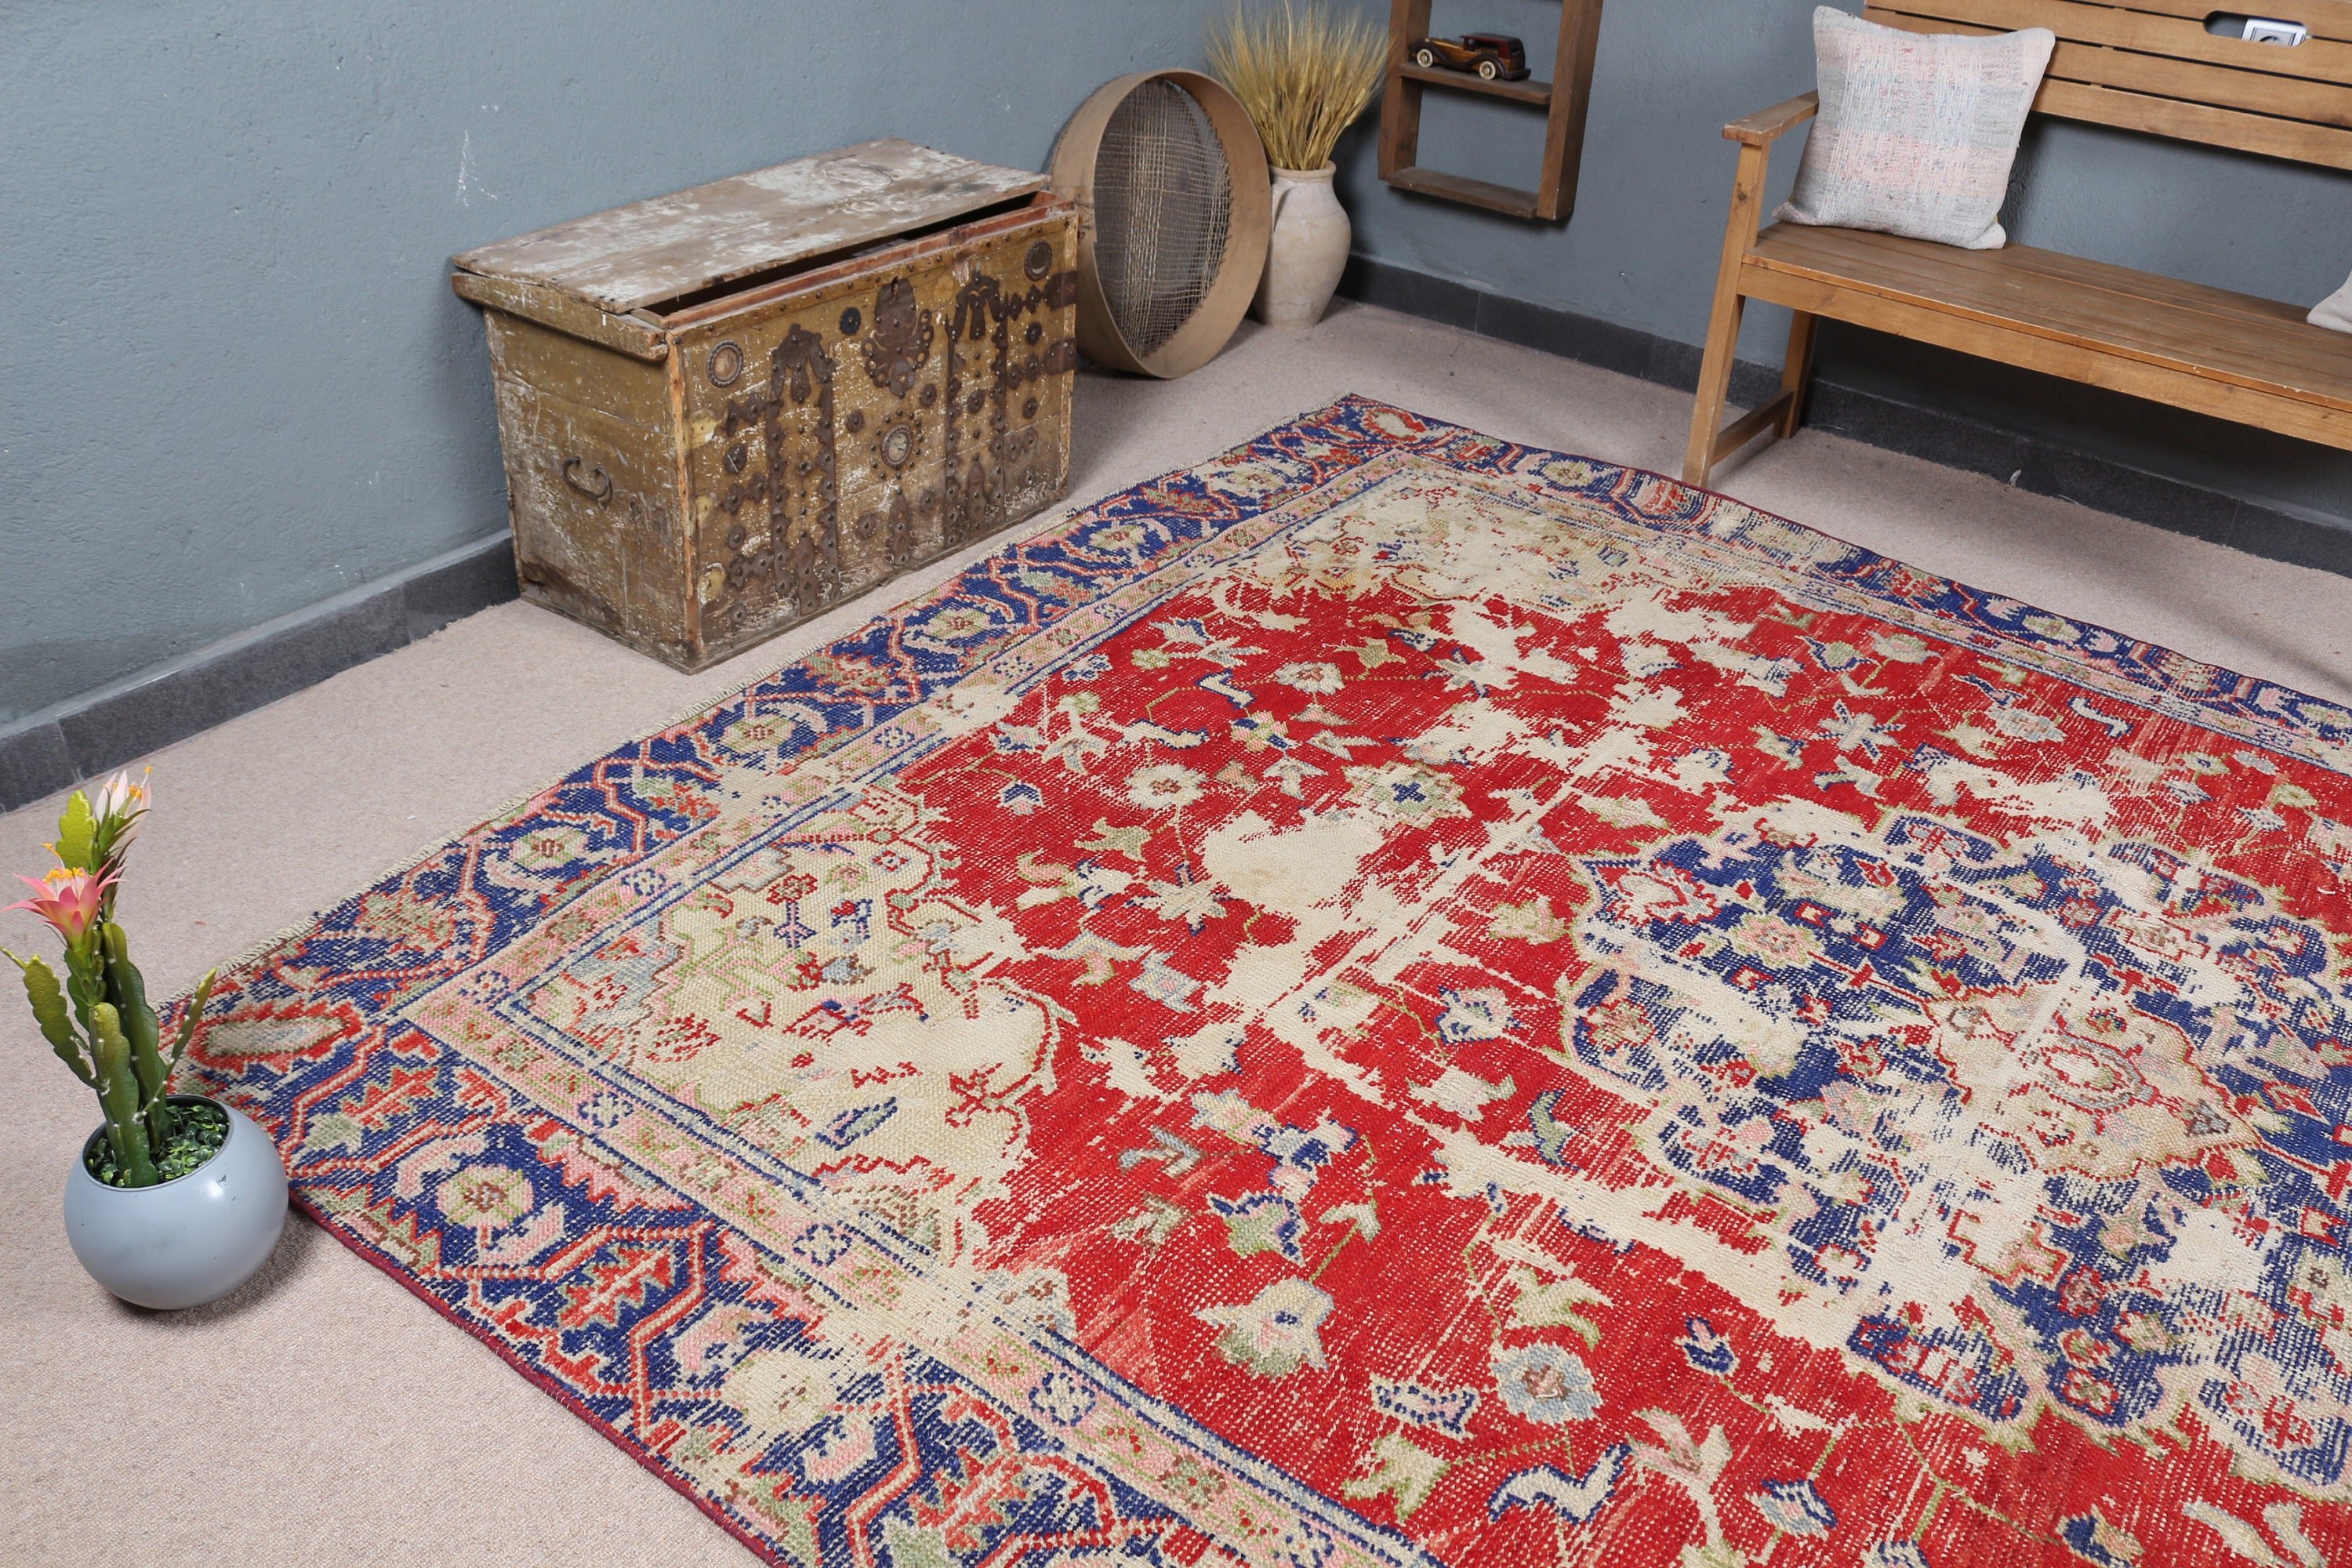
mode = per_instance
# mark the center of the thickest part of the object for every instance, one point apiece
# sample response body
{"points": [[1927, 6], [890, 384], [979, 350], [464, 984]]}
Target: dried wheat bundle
{"points": [[1304, 73]]}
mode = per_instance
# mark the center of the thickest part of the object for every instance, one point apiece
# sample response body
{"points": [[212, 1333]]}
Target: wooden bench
{"points": [[2141, 65]]}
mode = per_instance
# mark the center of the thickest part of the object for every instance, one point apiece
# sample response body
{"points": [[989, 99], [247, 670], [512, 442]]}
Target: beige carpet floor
{"points": [[322, 1414]]}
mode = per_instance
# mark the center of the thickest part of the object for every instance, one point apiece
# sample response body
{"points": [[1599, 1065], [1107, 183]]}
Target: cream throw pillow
{"points": [[1917, 131], [2334, 312]]}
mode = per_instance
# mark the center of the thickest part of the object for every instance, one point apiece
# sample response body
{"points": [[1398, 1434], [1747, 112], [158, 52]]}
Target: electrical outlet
{"points": [[2262, 30]]}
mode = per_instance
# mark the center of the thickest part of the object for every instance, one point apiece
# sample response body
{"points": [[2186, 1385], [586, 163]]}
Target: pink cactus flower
{"points": [[121, 807], [69, 901], [117, 796]]}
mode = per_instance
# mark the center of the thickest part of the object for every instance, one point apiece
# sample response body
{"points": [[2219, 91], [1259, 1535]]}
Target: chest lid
{"points": [[766, 224]]}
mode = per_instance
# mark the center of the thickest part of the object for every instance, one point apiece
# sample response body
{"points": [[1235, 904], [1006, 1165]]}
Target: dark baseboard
{"points": [[2030, 462], [105, 729]]}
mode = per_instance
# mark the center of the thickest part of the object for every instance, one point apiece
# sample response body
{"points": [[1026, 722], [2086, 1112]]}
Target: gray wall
{"points": [[1642, 246], [241, 386]]}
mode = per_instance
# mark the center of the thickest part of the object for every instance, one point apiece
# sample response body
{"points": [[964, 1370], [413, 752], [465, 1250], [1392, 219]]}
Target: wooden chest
{"points": [[724, 410]]}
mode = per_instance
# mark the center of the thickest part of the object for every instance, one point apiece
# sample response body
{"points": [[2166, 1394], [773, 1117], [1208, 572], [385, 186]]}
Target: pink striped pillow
{"points": [[1917, 131], [2334, 312]]}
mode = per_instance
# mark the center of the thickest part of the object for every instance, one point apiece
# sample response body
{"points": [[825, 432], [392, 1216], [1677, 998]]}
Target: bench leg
{"points": [[1714, 381], [1797, 370], [1723, 327]]}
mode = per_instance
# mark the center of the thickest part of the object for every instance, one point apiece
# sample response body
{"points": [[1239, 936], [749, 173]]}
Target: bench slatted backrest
{"points": [[2150, 64]]}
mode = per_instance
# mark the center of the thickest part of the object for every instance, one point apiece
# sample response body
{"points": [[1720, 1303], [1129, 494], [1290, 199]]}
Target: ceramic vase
{"points": [[1306, 251], [189, 1240]]}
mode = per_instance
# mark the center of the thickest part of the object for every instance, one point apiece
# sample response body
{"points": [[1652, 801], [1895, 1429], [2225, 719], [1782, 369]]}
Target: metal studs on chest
{"points": [[901, 339]]}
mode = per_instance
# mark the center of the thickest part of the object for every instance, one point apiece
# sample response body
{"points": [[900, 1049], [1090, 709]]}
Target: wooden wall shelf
{"points": [[1562, 99], [1468, 192], [1531, 92]]}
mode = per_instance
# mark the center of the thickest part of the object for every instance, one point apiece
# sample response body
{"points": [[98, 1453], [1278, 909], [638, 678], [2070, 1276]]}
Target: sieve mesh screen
{"points": [[1163, 204]]}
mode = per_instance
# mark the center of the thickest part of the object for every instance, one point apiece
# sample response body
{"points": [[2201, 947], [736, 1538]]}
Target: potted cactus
{"points": [[177, 1198]]}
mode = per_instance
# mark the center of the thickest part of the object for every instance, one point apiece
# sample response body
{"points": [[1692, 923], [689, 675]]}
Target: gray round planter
{"points": [[189, 1240]]}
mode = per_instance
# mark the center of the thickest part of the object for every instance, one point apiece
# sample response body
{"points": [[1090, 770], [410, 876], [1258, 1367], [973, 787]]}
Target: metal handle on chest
{"points": [[599, 492]]}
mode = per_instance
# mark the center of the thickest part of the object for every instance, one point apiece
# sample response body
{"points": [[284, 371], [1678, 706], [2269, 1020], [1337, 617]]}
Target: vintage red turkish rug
{"points": [[1396, 998]]}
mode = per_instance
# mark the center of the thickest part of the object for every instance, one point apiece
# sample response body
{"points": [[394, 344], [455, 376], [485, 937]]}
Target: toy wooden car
{"points": [[1495, 56]]}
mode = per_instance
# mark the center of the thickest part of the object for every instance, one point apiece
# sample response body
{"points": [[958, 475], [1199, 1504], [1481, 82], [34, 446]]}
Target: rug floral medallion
{"points": [[1397, 999]]}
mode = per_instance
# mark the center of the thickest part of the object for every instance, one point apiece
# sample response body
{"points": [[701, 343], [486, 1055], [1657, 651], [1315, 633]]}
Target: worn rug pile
{"points": [[1396, 998]]}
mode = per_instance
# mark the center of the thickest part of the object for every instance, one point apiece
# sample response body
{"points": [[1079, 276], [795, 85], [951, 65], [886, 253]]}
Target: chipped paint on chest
{"points": [[649, 252]]}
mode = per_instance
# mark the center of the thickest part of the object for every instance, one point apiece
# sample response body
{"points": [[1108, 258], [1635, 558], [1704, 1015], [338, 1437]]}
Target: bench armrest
{"points": [[1767, 125]]}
